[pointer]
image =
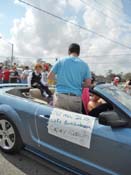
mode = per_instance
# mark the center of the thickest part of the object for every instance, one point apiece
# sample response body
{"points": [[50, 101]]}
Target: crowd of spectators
{"points": [[16, 74], [11, 74]]}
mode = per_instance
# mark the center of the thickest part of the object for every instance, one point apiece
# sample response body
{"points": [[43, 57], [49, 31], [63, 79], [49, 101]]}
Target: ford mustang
{"points": [[96, 144]]}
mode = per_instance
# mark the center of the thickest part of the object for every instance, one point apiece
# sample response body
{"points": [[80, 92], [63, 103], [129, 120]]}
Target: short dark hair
{"points": [[74, 48]]}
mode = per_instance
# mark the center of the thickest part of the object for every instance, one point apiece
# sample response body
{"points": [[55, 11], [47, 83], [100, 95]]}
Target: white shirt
{"points": [[30, 78]]}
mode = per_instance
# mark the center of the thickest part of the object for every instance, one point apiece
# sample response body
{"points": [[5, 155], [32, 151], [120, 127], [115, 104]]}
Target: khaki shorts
{"points": [[67, 102]]}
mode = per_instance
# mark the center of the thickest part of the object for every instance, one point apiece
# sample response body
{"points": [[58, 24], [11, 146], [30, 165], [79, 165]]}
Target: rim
{"points": [[7, 135]]}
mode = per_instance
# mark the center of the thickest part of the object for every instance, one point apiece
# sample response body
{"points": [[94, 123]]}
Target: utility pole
{"points": [[12, 53]]}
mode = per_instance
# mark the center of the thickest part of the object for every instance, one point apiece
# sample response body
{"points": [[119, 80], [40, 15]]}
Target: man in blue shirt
{"points": [[71, 74]]}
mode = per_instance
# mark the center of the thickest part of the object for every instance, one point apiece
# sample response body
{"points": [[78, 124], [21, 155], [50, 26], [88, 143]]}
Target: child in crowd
{"points": [[36, 80]]}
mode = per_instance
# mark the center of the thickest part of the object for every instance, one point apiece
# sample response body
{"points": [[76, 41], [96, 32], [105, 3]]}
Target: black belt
{"points": [[70, 94]]}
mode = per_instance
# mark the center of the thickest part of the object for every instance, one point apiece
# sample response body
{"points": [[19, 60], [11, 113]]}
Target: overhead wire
{"points": [[101, 12], [115, 55], [109, 9], [116, 5], [96, 51], [75, 24], [106, 63], [114, 2]]}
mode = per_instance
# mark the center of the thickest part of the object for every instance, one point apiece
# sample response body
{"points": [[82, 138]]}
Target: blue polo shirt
{"points": [[70, 74]]}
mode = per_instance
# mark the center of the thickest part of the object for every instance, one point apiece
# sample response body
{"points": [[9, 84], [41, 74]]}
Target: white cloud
{"points": [[37, 33], [5, 48], [40, 35], [75, 4]]}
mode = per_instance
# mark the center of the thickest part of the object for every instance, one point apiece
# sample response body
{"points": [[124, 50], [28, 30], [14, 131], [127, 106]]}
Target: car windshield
{"points": [[119, 95]]}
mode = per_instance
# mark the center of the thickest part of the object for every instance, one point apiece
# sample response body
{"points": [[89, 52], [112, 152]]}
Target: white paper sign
{"points": [[73, 127]]}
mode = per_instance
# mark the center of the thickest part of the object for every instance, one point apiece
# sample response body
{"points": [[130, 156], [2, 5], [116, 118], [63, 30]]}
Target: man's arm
{"points": [[54, 70], [90, 106], [51, 75]]}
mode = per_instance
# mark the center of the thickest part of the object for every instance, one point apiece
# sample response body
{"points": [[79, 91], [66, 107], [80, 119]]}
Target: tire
{"points": [[10, 139]]}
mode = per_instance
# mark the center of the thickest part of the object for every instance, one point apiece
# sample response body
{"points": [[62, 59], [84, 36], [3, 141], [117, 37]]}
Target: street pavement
{"points": [[26, 163]]}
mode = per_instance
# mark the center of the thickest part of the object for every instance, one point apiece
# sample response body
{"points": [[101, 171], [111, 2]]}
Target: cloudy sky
{"points": [[105, 41]]}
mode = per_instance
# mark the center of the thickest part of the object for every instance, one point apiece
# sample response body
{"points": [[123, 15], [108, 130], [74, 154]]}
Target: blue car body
{"points": [[110, 150]]}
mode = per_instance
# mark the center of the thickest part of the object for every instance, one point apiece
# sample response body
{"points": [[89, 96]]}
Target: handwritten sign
{"points": [[71, 126]]}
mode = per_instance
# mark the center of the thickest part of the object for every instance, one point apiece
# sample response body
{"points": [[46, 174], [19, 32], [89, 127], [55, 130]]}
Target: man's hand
{"points": [[51, 76]]}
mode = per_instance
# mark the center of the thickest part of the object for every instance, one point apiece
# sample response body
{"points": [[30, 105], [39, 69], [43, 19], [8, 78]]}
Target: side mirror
{"points": [[112, 119]]}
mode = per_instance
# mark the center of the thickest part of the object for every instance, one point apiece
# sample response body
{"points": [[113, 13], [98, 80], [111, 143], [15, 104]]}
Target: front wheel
{"points": [[10, 140]]}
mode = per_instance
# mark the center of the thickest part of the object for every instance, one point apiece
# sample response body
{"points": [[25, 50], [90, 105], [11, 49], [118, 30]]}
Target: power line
{"points": [[121, 9], [96, 51], [76, 25], [106, 63], [115, 4], [115, 55], [104, 14], [109, 9], [3, 56]]}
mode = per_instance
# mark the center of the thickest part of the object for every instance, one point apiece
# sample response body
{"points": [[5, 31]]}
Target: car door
{"points": [[24, 111], [108, 153]]}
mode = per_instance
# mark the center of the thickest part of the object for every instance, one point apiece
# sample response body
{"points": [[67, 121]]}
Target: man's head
{"points": [[26, 67], [74, 49], [95, 97]]}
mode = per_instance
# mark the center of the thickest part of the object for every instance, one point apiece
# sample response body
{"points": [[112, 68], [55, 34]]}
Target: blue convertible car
{"points": [[28, 121]]}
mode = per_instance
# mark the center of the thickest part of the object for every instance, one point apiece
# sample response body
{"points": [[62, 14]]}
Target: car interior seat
{"points": [[37, 96], [36, 93]]}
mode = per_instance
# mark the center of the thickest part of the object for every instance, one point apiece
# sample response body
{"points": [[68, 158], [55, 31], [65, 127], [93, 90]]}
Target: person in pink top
{"points": [[86, 95], [85, 99]]}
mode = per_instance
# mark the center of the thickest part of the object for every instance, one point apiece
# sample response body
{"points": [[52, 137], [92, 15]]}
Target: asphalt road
{"points": [[26, 163]]}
